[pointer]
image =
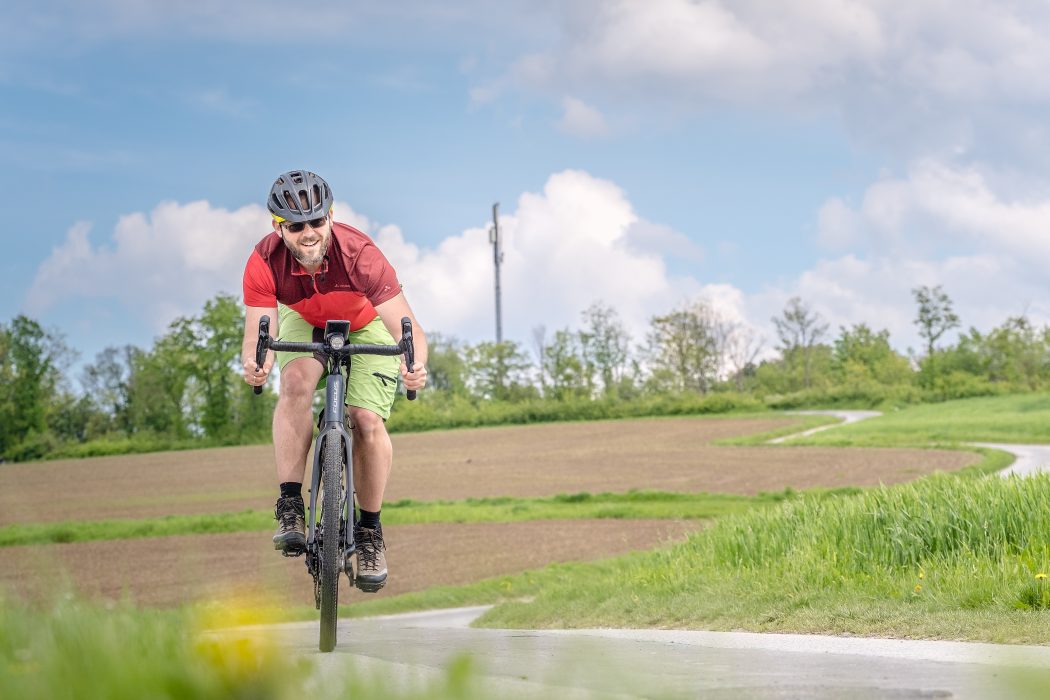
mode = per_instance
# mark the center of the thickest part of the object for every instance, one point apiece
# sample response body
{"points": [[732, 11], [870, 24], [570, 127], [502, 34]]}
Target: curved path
{"points": [[411, 652]]}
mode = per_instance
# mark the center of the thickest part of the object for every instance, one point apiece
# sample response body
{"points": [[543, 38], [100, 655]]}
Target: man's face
{"points": [[311, 243]]}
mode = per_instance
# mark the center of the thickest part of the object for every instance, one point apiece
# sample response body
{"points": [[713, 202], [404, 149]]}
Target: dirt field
{"points": [[670, 454], [171, 570]]}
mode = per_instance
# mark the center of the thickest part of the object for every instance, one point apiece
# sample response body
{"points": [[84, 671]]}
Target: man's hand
{"points": [[255, 375], [416, 380]]}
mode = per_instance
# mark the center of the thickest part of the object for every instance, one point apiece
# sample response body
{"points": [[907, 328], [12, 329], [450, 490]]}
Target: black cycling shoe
{"points": [[290, 537]]}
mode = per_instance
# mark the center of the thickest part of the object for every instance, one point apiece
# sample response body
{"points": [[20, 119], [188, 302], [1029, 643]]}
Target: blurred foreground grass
{"points": [[74, 649]]}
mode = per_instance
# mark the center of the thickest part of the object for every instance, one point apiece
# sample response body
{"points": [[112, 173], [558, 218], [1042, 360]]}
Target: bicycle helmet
{"points": [[299, 195]]}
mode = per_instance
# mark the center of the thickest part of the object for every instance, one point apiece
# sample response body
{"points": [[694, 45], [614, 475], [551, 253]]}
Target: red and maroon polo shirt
{"points": [[354, 278]]}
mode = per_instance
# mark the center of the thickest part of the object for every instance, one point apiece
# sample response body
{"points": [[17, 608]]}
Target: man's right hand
{"points": [[255, 375]]}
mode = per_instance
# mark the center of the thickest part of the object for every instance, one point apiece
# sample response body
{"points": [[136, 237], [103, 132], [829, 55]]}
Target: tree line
{"points": [[186, 389]]}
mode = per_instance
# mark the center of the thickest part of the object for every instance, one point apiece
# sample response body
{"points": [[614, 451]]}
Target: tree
{"points": [[107, 385], [499, 371], [935, 315], [605, 345], [741, 349], [29, 362], [446, 364], [216, 336], [682, 349], [800, 330], [860, 354], [568, 375]]}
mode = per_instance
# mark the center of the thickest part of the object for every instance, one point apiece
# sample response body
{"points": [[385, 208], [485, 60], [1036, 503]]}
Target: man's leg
{"points": [[293, 420], [370, 394], [373, 457], [292, 431]]}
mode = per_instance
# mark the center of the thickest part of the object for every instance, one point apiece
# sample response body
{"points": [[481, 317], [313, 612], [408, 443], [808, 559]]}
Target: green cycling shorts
{"points": [[373, 378]]}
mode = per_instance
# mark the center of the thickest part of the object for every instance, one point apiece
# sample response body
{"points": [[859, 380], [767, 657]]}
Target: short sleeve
{"points": [[259, 286], [375, 277]]}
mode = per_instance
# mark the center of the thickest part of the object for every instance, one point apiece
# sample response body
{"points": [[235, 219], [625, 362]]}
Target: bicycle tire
{"points": [[332, 473]]}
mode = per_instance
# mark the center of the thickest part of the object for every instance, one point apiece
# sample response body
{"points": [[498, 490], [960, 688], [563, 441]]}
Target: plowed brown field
{"points": [[172, 570], [672, 454]]}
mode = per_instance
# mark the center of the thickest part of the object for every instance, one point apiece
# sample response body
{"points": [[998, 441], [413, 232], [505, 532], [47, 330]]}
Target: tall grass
{"points": [[941, 557]]}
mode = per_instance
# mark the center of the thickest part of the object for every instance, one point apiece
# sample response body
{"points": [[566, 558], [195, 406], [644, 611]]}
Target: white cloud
{"points": [[578, 241], [565, 247], [152, 267], [927, 77], [580, 119]]}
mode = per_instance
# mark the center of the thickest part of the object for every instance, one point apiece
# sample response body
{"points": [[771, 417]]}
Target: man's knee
{"points": [[367, 424], [299, 381]]}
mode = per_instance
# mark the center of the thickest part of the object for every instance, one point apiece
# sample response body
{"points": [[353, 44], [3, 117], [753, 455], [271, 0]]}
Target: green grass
{"points": [[804, 423], [942, 557], [631, 505], [73, 649], [1015, 419]]}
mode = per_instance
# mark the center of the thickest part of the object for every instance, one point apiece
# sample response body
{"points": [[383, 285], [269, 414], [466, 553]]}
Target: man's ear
{"points": [[276, 226]]}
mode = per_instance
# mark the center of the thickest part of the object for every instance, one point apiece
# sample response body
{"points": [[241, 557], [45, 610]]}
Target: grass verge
{"points": [[942, 557], [631, 505]]}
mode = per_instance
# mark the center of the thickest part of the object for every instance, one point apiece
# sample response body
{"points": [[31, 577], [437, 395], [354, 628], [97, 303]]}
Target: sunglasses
{"points": [[298, 226]]}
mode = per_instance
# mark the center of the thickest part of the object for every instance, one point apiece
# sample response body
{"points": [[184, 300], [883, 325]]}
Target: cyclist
{"points": [[308, 270]]}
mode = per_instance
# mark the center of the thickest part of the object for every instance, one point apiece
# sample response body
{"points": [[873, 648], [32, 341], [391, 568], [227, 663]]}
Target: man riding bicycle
{"points": [[308, 270]]}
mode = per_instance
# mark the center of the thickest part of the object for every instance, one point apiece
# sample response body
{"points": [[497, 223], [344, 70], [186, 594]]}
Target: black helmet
{"points": [[299, 195]]}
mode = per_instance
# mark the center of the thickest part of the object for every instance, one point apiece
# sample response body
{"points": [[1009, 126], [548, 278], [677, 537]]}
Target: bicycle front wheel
{"points": [[331, 500]]}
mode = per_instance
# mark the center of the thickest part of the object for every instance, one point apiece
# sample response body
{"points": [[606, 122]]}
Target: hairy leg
{"points": [[293, 422], [373, 455]]}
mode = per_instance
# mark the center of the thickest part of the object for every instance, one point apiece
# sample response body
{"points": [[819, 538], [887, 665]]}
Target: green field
{"points": [[631, 505]]}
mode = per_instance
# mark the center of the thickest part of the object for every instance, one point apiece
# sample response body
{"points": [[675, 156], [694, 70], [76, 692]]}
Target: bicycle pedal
{"points": [[292, 551], [369, 587]]}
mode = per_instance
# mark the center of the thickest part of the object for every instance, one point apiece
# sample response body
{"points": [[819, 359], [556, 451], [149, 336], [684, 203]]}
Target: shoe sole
{"points": [[291, 545], [369, 586]]}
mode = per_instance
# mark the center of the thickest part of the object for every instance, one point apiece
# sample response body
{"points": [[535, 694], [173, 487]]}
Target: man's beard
{"points": [[306, 259]]}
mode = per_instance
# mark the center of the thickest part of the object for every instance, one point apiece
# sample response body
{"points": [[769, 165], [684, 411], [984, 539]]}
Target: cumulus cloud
{"points": [[578, 241], [153, 266], [567, 246], [931, 77]]}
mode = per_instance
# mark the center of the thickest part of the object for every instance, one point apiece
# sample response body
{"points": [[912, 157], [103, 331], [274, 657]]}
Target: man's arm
{"points": [[253, 374], [392, 312]]}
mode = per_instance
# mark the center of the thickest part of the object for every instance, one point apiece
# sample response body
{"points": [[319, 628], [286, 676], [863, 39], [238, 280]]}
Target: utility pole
{"points": [[497, 258]]}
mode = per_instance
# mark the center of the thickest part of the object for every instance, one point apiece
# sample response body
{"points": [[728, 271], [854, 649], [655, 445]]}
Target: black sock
{"points": [[291, 488], [369, 519]]}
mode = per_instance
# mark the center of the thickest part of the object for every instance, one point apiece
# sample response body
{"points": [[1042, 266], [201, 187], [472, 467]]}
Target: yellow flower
{"points": [[922, 574], [918, 588], [1040, 576]]}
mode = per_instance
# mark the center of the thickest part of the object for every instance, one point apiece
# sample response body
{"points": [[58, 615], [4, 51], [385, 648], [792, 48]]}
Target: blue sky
{"points": [[644, 154]]}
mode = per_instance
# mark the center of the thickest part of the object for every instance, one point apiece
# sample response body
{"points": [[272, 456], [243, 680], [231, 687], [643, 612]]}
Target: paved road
{"points": [[413, 651], [846, 416]]}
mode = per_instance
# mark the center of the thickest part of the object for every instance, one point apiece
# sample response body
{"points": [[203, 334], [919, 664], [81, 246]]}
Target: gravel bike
{"points": [[330, 533]]}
